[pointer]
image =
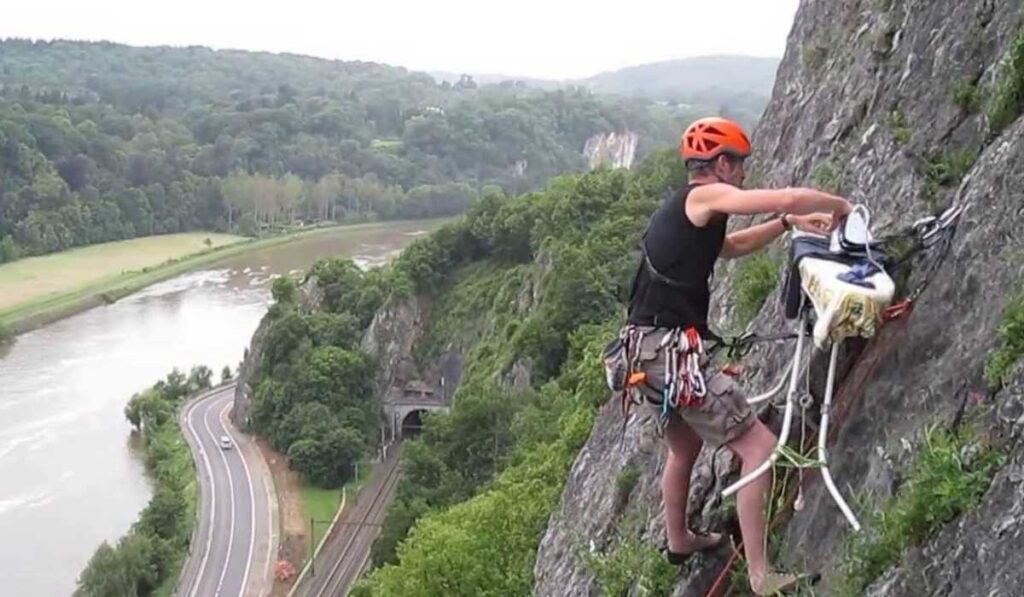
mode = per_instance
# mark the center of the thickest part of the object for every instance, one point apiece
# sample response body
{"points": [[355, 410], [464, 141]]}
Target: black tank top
{"points": [[683, 253]]}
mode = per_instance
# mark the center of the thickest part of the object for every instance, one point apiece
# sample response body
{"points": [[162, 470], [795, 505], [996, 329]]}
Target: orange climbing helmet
{"points": [[708, 138]]}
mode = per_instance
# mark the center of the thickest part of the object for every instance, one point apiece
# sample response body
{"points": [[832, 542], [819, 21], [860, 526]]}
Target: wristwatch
{"points": [[785, 223]]}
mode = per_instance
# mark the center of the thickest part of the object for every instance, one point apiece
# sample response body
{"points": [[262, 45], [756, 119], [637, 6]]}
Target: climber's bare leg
{"points": [[683, 447], [753, 448]]}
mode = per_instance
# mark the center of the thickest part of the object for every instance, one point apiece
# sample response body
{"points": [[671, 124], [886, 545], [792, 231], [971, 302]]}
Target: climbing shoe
{"points": [[780, 584], [707, 542]]}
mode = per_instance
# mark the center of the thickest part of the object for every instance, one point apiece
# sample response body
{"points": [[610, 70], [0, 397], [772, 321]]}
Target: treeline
{"points": [[151, 554], [255, 202], [101, 142]]}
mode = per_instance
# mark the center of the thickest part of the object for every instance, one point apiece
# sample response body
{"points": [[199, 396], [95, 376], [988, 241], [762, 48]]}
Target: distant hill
{"points": [[687, 78], [670, 80], [735, 86]]}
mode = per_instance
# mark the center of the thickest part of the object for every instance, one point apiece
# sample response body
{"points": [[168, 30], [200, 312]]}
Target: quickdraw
{"points": [[684, 381], [898, 310], [683, 384]]}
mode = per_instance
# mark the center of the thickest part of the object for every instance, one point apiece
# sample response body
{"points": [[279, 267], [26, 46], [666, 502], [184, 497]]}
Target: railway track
{"points": [[358, 530]]}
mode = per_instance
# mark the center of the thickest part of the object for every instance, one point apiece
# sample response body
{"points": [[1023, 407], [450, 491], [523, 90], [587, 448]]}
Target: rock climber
{"points": [[684, 239]]}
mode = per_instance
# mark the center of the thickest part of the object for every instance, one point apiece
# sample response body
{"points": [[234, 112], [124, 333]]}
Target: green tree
{"points": [[200, 378], [284, 290], [165, 515], [329, 459], [132, 568], [148, 410], [8, 249]]}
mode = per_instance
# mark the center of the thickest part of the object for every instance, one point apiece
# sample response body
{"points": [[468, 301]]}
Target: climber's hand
{"points": [[816, 223]]}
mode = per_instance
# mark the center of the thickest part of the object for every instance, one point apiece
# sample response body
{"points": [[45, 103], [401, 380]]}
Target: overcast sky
{"points": [[530, 38]]}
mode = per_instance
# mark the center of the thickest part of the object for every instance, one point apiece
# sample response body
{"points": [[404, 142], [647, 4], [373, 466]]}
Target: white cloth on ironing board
{"points": [[843, 310]]}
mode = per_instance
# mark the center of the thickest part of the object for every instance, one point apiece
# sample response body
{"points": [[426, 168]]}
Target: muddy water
{"points": [[69, 477]]}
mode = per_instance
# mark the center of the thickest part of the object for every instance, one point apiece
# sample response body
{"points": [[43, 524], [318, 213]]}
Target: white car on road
{"points": [[225, 442]]}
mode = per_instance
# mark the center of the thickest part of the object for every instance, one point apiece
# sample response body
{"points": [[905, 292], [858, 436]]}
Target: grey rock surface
{"points": [[864, 103]]}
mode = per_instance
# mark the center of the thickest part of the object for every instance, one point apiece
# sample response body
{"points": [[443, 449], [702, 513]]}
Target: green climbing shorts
{"points": [[724, 414]]}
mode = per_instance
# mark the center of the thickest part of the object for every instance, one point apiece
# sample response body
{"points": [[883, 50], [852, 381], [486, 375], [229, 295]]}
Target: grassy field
{"points": [[35, 277], [120, 282], [322, 504]]}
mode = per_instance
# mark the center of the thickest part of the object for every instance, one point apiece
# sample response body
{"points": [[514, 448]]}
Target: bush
{"points": [[6, 335], [967, 96], [632, 562], [9, 250], [948, 169], [756, 278], [945, 170], [1008, 99], [826, 176], [814, 57], [951, 474], [1011, 343], [625, 481], [284, 290], [898, 125]]}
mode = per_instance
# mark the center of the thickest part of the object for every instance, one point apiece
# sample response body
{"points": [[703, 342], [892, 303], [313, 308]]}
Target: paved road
{"points": [[347, 551], [237, 531]]}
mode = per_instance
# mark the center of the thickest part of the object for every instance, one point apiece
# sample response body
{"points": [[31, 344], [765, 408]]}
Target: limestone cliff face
{"points": [[389, 340], [615, 150], [873, 99]]}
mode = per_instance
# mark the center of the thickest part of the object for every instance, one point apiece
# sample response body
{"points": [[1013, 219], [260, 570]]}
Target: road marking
{"points": [[271, 531], [213, 493], [231, 492], [252, 498]]}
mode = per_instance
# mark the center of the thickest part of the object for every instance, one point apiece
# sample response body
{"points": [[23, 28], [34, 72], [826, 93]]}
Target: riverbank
{"points": [[40, 276], [42, 310], [148, 559]]}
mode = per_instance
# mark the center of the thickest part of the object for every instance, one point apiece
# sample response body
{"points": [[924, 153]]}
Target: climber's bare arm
{"points": [[746, 241], [705, 201]]}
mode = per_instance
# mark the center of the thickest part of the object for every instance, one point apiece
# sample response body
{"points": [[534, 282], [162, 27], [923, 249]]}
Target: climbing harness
{"points": [[683, 384]]}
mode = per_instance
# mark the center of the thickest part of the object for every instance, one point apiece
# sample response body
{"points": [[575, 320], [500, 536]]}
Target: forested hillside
{"points": [[100, 141], [524, 290]]}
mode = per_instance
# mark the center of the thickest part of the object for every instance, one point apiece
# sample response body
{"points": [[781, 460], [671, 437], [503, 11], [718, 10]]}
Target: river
{"points": [[69, 475]]}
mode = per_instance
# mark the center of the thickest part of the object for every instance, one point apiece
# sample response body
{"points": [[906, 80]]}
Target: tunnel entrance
{"points": [[412, 424]]}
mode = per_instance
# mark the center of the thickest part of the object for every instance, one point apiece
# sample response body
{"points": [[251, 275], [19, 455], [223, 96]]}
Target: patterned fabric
{"points": [[844, 310]]}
